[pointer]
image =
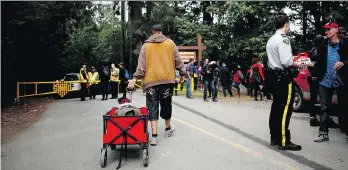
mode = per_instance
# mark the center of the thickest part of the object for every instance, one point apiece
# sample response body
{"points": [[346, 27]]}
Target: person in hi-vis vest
{"points": [[93, 84], [114, 81], [84, 80]]}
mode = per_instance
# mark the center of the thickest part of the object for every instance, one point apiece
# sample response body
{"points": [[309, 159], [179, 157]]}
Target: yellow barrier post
{"points": [[192, 85], [58, 87]]}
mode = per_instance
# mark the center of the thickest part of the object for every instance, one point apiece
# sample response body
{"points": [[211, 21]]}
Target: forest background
{"points": [[42, 41]]}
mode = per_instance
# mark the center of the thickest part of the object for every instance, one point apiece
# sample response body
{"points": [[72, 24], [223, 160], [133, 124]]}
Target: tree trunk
{"points": [[134, 23], [122, 30], [130, 34], [149, 7], [325, 10], [304, 21], [314, 10], [207, 18]]}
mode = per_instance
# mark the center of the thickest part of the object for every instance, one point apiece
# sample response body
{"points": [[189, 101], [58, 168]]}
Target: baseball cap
{"points": [[121, 63], [330, 25], [157, 27]]}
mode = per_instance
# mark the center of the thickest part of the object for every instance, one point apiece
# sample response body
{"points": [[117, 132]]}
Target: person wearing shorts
{"points": [[158, 59]]}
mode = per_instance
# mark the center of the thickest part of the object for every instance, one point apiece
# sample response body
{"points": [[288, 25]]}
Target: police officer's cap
{"points": [[157, 27]]}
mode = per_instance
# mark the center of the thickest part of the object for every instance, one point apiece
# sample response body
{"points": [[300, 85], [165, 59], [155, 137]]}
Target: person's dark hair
{"points": [[280, 20], [191, 59], [255, 60], [157, 27]]}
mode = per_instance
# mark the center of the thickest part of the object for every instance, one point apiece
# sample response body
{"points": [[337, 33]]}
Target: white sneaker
{"points": [[169, 133], [153, 141]]}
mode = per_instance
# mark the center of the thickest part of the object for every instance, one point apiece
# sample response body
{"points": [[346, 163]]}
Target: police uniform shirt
{"points": [[279, 51]]}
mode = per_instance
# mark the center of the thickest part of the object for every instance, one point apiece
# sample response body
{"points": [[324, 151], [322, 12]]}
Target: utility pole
{"points": [[122, 30]]}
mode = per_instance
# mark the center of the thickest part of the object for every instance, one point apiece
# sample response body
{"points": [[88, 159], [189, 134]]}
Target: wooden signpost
{"points": [[187, 52]]}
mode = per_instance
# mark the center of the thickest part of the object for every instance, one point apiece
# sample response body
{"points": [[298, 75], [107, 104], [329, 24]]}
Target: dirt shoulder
{"points": [[15, 119]]}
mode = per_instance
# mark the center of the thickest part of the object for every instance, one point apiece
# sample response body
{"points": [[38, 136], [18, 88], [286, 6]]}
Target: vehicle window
{"points": [[71, 78]]}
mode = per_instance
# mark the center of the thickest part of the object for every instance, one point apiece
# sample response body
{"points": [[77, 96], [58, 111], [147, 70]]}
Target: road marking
{"points": [[236, 145]]}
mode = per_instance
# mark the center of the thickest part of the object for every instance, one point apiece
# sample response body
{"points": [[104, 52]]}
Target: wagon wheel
{"points": [[145, 157], [112, 147], [103, 157]]}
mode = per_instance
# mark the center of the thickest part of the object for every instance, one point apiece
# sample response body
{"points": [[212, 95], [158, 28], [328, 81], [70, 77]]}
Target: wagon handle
{"points": [[130, 90]]}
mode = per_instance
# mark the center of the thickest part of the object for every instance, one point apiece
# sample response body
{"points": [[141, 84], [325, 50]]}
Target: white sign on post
{"points": [[187, 55]]}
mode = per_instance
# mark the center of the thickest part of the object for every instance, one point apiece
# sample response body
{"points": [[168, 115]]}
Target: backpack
{"points": [[216, 72], [106, 71], [126, 74], [256, 76], [127, 109]]}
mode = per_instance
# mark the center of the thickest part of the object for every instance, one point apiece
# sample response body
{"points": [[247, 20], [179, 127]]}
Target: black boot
{"points": [[273, 143], [291, 147]]}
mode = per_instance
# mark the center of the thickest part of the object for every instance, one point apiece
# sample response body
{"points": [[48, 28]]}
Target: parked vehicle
{"points": [[73, 77], [302, 90]]}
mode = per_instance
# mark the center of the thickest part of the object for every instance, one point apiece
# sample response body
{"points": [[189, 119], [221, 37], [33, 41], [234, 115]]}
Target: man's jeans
{"points": [[326, 94], [206, 87], [213, 89], [188, 87]]}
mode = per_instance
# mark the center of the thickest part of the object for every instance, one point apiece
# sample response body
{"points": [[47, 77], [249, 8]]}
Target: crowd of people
{"points": [[211, 77], [159, 58], [106, 80]]}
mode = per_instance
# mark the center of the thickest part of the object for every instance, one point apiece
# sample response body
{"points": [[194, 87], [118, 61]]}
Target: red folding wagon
{"points": [[123, 131]]}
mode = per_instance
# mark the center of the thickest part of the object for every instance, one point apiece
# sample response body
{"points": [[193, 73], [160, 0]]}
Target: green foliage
{"points": [[96, 41], [65, 34]]}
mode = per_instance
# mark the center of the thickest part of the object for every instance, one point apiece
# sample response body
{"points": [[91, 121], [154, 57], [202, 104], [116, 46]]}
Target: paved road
{"points": [[231, 134]]}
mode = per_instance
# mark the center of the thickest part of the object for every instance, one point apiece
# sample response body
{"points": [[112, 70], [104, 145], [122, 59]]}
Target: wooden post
{"points": [[17, 96], [35, 88], [199, 45], [199, 48]]}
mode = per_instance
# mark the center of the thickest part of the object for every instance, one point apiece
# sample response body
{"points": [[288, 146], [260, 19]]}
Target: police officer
{"points": [[114, 81], [93, 84], [84, 80], [104, 79], [280, 81]]}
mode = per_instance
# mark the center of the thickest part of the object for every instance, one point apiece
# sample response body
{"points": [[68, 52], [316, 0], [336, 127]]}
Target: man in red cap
{"points": [[332, 62]]}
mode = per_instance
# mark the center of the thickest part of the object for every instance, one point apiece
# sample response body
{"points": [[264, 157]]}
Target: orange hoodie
{"points": [[158, 59]]}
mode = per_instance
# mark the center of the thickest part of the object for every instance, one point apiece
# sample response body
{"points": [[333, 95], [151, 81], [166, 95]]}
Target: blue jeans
{"points": [[188, 87], [207, 85]]}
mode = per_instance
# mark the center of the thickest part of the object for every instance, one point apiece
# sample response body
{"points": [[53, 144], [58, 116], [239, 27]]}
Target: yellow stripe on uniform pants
{"points": [[285, 113]]}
